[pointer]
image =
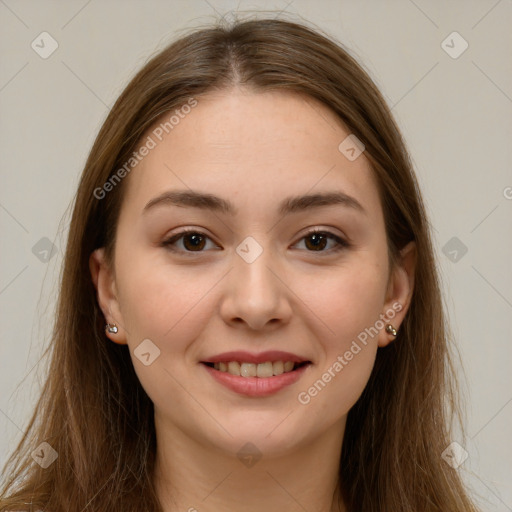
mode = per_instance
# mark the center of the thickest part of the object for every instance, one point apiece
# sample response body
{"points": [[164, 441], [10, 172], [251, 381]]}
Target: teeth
{"points": [[267, 369], [278, 367], [248, 370], [234, 368]]}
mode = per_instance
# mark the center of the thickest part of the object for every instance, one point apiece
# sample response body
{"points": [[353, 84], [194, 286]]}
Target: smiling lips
{"points": [[256, 374]]}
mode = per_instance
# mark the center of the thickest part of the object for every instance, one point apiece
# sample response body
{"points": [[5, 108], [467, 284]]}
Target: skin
{"points": [[253, 149]]}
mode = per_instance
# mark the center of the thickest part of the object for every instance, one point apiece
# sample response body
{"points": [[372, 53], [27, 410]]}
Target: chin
{"points": [[265, 433]]}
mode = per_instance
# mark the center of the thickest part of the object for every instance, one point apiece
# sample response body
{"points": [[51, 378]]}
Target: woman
{"points": [[249, 316]]}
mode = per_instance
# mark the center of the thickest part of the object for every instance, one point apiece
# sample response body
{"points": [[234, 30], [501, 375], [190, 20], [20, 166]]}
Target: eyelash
{"points": [[169, 243]]}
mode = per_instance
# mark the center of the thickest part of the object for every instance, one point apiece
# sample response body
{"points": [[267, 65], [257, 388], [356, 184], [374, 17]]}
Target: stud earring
{"points": [[111, 329], [391, 330]]}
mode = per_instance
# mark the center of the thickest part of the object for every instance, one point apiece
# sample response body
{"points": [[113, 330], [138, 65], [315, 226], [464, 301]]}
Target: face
{"points": [[260, 272]]}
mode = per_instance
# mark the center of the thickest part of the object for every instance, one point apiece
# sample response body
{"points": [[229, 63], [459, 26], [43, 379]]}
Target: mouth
{"points": [[260, 370], [256, 375]]}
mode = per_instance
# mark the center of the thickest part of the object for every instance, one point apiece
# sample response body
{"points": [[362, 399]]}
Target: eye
{"points": [[317, 240], [191, 241]]}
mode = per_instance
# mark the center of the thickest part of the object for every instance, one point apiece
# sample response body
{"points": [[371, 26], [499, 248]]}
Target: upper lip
{"points": [[261, 357]]}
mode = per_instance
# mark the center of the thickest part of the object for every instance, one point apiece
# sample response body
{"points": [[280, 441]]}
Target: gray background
{"points": [[455, 114]]}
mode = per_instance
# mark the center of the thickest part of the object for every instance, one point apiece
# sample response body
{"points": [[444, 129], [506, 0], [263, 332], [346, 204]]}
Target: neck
{"points": [[192, 477]]}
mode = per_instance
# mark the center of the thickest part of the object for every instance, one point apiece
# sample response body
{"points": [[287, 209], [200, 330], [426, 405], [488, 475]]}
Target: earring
{"points": [[111, 329], [391, 330]]}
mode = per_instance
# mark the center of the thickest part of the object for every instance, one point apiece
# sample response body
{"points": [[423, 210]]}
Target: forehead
{"points": [[253, 148]]}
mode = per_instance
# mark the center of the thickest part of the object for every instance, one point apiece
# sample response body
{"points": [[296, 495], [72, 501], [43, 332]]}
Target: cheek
{"points": [[163, 302], [339, 384], [346, 300], [349, 303], [170, 307]]}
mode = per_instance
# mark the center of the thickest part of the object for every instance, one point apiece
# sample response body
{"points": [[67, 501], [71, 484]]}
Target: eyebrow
{"points": [[205, 201]]}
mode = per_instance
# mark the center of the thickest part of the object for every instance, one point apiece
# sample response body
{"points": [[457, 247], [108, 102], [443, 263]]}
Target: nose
{"points": [[256, 294]]}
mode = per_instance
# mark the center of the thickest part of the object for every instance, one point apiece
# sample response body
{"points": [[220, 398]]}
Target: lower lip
{"points": [[256, 386]]}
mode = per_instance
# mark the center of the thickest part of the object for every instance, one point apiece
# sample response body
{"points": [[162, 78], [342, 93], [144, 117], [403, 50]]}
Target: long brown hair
{"points": [[93, 411]]}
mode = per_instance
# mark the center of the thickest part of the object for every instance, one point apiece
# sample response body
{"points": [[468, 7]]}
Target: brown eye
{"points": [[318, 241], [188, 241], [194, 241]]}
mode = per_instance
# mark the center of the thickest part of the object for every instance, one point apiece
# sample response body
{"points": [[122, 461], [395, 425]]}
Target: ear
{"points": [[106, 294], [399, 292]]}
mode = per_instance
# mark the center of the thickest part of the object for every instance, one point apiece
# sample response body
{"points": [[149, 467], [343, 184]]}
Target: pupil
{"points": [[196, 241], [319, 241]]}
